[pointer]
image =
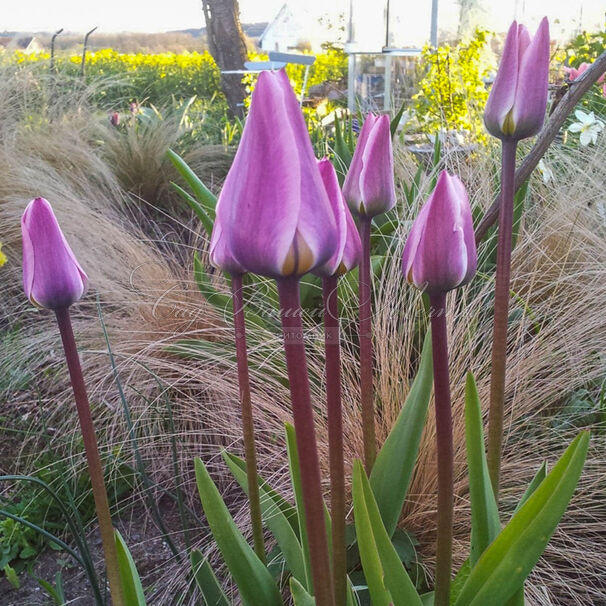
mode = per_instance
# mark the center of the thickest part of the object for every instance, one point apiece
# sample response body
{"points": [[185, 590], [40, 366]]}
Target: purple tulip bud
{"points": [[440, 252], [52, 277], [275, 213], [369, 185], [349, 248], [516, 105]]}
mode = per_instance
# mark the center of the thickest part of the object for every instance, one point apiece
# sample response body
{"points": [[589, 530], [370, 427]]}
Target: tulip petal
{"points": [[52, 277], [376, 178], [337, 203], [503, 91], [351, 185], [412, 242], [352, 253], [265, 169], [531, 89]]}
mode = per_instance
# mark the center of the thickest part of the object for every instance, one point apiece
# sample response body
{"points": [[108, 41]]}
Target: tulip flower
{"points": [[346, 257], [440, 252], [277, 221], [515, 110], [369, 184], [277, 218], [349, 248], [52, 277], [516, 105], [439, 255], [369, 190]]}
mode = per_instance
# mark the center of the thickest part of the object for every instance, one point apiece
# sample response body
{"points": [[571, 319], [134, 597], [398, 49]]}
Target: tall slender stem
{"points": [[501, 312], [294, 349], [248, 428], [92, 454], [365, 336], [330, 296], [439, 340]]}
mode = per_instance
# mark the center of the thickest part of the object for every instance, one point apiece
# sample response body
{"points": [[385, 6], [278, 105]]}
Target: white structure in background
{"points": [[25, 44], [296, 27]]}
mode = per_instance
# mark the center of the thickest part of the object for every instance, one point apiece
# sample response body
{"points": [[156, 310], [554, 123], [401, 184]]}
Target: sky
{"points": [[153, 16]]}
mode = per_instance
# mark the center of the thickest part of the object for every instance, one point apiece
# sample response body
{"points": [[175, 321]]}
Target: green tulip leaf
{"points": [[485, 523], [392, 471], [299, 594], [295, 478], [388, 581], [207, 581], [254, 581], [274, 516], [509, 559], [198, 209], [132, 589], [205, 197]]}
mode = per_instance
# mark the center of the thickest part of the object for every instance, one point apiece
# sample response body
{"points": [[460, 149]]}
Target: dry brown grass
{"points": [[149, 302]]}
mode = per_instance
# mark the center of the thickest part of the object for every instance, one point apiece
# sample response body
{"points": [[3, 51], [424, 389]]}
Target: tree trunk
{"points": [[227, 46]]}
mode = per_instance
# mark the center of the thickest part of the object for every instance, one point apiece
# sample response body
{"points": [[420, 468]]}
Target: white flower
{"points": [[545, 171], [588, 125]]}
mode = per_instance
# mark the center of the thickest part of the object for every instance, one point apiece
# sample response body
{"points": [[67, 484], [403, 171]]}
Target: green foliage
{"points": [[508, 560], [586, 47], [129, 577], [254, 581], [395, 463], [387, 579], [452, 91]]}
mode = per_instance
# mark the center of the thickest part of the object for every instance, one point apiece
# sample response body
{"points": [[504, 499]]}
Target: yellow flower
{"points": [[2, 256]]}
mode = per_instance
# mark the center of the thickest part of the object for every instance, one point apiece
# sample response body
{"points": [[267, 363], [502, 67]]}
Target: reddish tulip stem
{"points": [[248, 428], [330, 296], [365, 336], [501, 313], [92, 455], [294, 349], [439, 340]]}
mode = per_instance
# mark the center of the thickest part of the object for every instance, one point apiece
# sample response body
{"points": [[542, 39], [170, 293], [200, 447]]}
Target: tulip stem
{"points": [[439, 341], [330, 296], [365, 336], [501, 312], [294, 349], [92, 454], [248, 428]]}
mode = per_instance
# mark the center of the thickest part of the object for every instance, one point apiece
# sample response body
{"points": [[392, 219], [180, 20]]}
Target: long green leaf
{"points": [[509, 559], [485, 523], [396, 578], [129, 577], [198, 209], [254, 581], [390, 476], [369, 552], [518, 597], [275, 519], [207, 581], [289, 512], [201, 192], [295, 478], [299, 594], [534, 484]]}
